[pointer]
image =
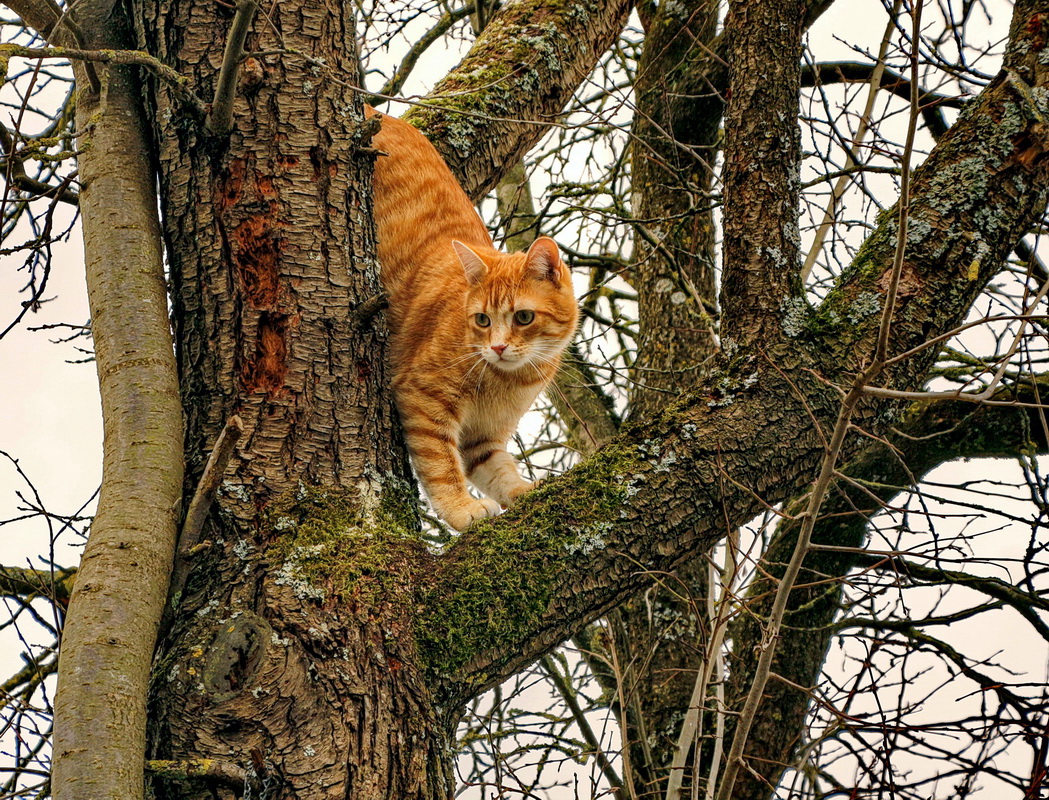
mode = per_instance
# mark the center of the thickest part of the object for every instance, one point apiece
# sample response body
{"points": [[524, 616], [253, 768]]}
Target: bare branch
{"points": [[203, 497], [110, 632], [220, 120], [18, 177], [568, 695], [393, 86], [137, 58]]}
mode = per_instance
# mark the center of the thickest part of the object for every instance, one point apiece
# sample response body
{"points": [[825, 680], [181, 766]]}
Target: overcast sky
{"points": [[50, 409]]}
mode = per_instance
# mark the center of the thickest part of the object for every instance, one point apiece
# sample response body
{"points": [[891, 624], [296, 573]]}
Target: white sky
{"points": [[51, 416]]}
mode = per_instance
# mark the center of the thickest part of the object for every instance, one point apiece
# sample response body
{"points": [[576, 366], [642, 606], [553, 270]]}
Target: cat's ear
{"points": [[473, 266], [544, 261]]}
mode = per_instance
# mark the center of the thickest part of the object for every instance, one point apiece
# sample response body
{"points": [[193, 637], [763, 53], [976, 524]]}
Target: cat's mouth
{"points": [[507, 362]]}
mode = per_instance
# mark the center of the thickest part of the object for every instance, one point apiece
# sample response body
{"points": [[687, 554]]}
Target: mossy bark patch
{"points": [[334, 544]]}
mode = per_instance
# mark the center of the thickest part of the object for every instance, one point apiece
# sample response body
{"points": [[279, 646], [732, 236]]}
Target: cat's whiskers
{"points": [[544, 355], [480, 375], [479, 362], [475, 351]]}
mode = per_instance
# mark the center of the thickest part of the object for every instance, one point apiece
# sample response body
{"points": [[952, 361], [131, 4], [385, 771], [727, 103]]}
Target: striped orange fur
{"points": [[476, 333]]}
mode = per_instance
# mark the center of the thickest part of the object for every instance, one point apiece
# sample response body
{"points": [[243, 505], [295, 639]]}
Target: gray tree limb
{"points": [[111, 630]]}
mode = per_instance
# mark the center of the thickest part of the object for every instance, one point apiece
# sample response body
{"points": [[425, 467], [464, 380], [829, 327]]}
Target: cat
{"points": [[476, 334]]}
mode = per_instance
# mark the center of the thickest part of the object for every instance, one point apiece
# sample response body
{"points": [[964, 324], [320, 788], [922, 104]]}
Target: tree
{"points": [[310, 637]]}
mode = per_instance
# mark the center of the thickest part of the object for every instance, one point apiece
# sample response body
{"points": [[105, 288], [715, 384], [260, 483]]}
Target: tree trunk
{"points": [[300, 649], [293, 638]]}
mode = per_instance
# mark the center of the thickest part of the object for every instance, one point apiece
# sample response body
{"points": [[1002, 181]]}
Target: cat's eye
{"points": [[524, 317], [482, 320]]}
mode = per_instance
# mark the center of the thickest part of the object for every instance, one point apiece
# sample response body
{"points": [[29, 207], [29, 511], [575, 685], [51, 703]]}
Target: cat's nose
{"points": [[499, 348]]}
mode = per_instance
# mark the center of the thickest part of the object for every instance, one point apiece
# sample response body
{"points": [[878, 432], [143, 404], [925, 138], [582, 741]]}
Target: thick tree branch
{"points": [[514, 587], [674, 142], [762, 163], [681, 85], [111, 629], [490, 110]]}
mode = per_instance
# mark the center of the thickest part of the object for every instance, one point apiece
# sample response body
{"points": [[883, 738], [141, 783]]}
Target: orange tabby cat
{"points": [[476, 333]]}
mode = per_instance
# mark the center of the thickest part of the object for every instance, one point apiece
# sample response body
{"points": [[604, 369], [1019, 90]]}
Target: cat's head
{"points": [[521, 310]]}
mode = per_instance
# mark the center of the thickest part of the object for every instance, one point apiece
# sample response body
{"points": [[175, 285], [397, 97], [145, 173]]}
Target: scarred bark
{"points": [[272, 250]]}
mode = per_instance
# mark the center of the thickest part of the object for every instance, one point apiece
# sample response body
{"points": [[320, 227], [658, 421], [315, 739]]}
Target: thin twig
{"points": [[852, 154], [411, 58], [718, 611], [199, 506], [568, 695]]}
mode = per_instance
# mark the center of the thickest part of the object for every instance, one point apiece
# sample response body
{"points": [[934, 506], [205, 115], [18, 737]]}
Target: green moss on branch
{"points": [[497, 583], [338, 543]]}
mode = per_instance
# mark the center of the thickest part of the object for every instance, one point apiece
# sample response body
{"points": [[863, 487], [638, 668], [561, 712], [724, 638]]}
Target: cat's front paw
{"points": [[524, 487], [466, 514]]}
